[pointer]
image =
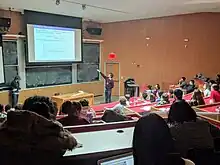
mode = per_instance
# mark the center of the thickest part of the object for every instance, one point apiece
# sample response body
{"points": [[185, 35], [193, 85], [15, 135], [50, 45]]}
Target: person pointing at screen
{"points": [[109, 84]]}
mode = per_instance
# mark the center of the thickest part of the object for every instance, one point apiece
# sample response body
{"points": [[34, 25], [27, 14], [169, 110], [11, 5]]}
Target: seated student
{"points": [[197, 98], [7, 108], [215, 94], [152, 143], [164, 99], [207, 89], [145, 95], [159, 95], [183, 83], [178, 95], [18, 107], [119, 108], [211, 82], [86, 110], [156, 90], [2, 114], [36, 137], [171, 93], [188, 131], [152, 98], [191, 87], [218, 79], [73, 111]]}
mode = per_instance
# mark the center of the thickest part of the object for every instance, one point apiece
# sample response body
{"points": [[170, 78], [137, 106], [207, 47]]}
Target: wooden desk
{"points": [[102, 141], [73, 97], [211, 115]]}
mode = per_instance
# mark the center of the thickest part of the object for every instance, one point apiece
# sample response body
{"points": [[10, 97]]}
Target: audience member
{"points": [[87, 112], [188, 131], [66, 107], [152, 98], [18, 107], [29, 103], [2, 114], [218, 79], [119, 108], [178, 95], [197, 98], [183, 83], [152, 142], [73, 117], [211, 82], [164, 99], [156, 90], [159, 96], [36, 137], [7, 108], [215, 94], [171, 93], [207, 89], [191, 87]]}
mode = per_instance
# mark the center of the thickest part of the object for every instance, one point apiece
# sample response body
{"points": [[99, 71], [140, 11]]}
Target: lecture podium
{"points": [[77, 96]]}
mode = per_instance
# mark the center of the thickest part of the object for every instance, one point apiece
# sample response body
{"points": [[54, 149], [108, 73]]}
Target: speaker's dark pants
{"points": [[108, 95], [14, 99]]}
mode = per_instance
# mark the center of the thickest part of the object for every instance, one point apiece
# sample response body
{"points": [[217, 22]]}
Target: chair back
{"points": [[202, 156], [188, 162]]}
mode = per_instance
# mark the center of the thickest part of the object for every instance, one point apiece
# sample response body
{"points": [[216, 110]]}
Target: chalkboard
{"points": [[87, 72], [46, 76], [10, 73], [10, 53], [91, 53]]}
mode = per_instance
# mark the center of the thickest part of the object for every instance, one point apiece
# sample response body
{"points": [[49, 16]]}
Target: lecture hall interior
{"points": [[110, 82]]}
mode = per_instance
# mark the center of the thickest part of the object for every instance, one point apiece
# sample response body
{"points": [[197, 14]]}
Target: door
{"points": [[113, 67]]}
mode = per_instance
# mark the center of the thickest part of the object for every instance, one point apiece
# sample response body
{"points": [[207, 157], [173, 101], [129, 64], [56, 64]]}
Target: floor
{"points": [[101, 99]]}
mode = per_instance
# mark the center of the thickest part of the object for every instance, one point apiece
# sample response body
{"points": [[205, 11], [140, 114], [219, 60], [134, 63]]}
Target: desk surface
{"points": [[101, 141], [73, 95]]}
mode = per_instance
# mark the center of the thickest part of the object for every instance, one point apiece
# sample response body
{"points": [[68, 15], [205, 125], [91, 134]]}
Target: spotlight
{"points": [[57, 2]]}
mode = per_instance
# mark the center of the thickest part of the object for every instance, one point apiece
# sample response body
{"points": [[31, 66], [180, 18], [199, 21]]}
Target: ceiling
{"points": [[115, 10]]}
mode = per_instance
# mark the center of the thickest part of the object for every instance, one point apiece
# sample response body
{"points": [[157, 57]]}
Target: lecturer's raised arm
{"points": [[104, 76]]}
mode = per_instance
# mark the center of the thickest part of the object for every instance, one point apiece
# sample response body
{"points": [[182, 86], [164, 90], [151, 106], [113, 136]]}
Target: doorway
{"points": [[114, 67]]}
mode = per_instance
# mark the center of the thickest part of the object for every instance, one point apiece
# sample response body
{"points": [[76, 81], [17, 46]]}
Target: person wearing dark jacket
{"points": [[15, 87], [187, 130], [31, 135], [109, 85], [152, 143], [191, 87]]}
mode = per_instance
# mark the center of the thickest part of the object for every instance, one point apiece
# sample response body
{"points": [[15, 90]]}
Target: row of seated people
{"points": [[156, 95], [34, 131], [154, 137]]}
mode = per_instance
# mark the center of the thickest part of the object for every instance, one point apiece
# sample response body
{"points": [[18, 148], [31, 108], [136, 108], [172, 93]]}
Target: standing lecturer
{"points": [[109, 84]]}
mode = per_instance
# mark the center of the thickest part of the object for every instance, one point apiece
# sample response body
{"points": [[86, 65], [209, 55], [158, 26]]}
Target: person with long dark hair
{"points": [[187, 130], [152, 142]]}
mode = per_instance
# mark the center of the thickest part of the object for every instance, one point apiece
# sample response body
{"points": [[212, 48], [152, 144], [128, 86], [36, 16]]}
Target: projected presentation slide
{"points": [[53, 44]]}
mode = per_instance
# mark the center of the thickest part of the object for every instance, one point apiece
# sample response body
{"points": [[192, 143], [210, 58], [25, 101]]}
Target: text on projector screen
{"points": [[53, 44]]}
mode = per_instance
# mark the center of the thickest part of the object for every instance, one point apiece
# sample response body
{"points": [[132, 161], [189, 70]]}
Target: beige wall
{"points": [[164, 58], [95, 87]]}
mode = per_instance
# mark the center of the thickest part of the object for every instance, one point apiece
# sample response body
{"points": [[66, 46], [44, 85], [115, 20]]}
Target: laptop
{"points": [[124, 159]]}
